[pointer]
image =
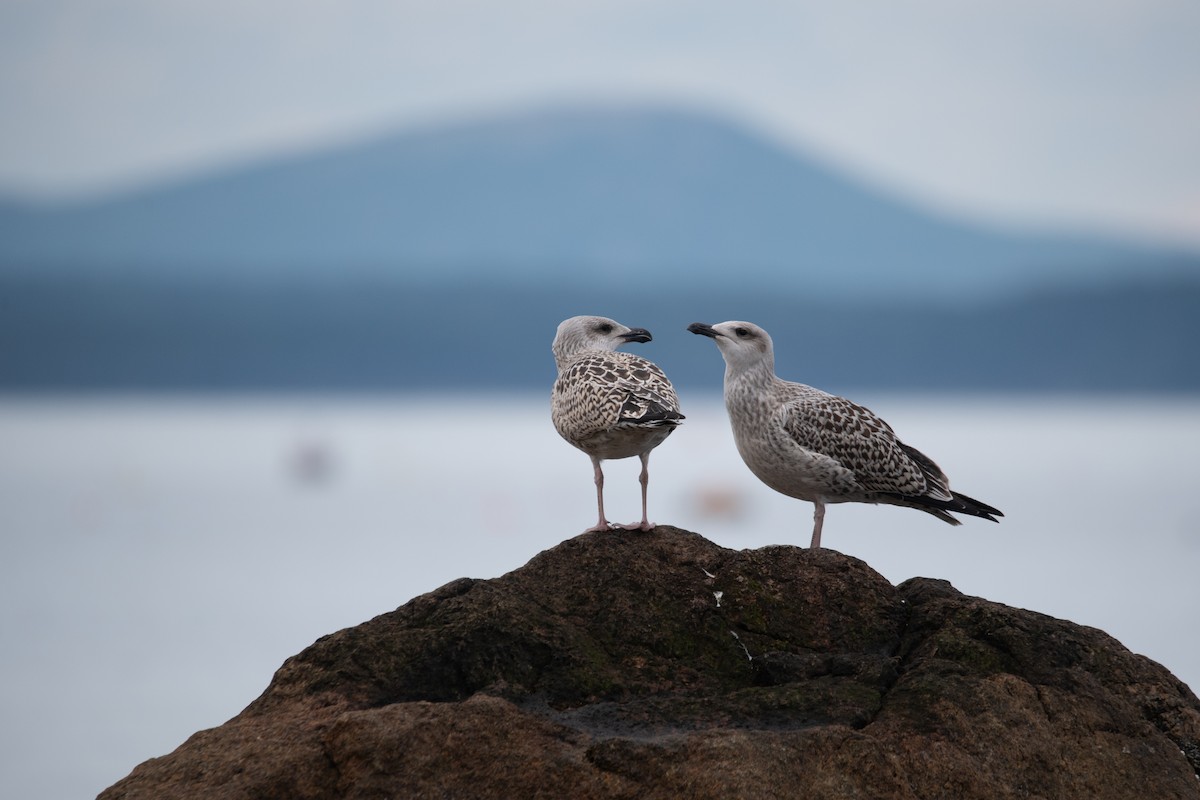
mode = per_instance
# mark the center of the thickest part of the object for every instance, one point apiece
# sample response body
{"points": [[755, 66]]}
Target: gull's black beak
{"points": [[637, 335], [704, 329]]}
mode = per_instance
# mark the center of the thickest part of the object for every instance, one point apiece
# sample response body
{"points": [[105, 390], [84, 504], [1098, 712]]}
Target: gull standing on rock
{"points": [[819, 447], [610, 404]]}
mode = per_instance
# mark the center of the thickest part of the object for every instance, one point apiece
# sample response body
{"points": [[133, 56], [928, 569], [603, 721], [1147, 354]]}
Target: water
{"points": [[160, 559]]}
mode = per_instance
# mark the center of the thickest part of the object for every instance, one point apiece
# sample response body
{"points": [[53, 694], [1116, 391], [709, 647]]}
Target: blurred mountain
{"points": [[582, 197], [444, 258]]}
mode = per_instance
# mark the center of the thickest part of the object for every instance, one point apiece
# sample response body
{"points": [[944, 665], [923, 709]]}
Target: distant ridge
{"points": [[349, 337], [576, 197]]}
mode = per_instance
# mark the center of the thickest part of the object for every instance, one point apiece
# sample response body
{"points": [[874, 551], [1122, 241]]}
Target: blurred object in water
{"points": [[311, 463], [720, 502]]}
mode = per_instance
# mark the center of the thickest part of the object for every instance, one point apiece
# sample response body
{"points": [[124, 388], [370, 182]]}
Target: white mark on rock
{"points": [[744, 649]]}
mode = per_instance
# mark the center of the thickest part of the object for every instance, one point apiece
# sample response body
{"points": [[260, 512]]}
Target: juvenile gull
{"points": [[610, 404], [819, 447]]}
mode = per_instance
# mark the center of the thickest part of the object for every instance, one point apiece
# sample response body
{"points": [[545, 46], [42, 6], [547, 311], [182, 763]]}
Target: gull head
{"points": [[581, 334], [744, 345]]}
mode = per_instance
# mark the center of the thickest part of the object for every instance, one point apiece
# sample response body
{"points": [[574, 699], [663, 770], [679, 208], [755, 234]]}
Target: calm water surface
{"points": [[159, 559]]}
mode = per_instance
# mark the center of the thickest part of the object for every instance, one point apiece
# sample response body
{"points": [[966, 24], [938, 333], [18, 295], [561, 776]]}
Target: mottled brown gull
{"points": [[610, 404], [819, 447]]}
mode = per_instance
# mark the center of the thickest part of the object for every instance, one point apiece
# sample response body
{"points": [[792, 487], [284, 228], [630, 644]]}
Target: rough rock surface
{"points": [[659, 665]]}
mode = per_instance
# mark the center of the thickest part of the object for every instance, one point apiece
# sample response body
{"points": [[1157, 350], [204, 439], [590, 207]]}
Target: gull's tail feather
{"points": [[647, 412], [960, 504]]}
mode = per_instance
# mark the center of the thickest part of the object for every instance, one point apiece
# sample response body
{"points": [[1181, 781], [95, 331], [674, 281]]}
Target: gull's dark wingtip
{"points": [[960, 504]]}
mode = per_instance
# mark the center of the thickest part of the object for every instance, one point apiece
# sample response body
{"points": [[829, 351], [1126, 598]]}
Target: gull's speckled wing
{"points": [[603, 390], [862, 443]]}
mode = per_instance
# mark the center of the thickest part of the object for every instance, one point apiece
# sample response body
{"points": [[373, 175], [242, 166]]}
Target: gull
{"points": [[610, 404], [815, 446]]}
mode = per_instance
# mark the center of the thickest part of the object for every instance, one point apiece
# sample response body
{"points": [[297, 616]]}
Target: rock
{"points": [[659, 665]]}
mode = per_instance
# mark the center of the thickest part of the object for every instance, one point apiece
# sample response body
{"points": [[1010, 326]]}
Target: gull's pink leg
{"points": [[818, 522], [602, 525], [644, 479]]}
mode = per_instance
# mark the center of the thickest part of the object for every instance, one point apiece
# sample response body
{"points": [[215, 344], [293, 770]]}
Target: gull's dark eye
{"points": [[604, 327], [741, 332]]}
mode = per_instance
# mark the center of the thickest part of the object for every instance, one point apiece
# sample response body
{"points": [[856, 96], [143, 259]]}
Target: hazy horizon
{"points": [[1075, 115]]}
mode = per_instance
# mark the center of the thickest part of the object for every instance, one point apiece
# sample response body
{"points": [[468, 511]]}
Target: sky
{"points": [[1053, 113]]}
